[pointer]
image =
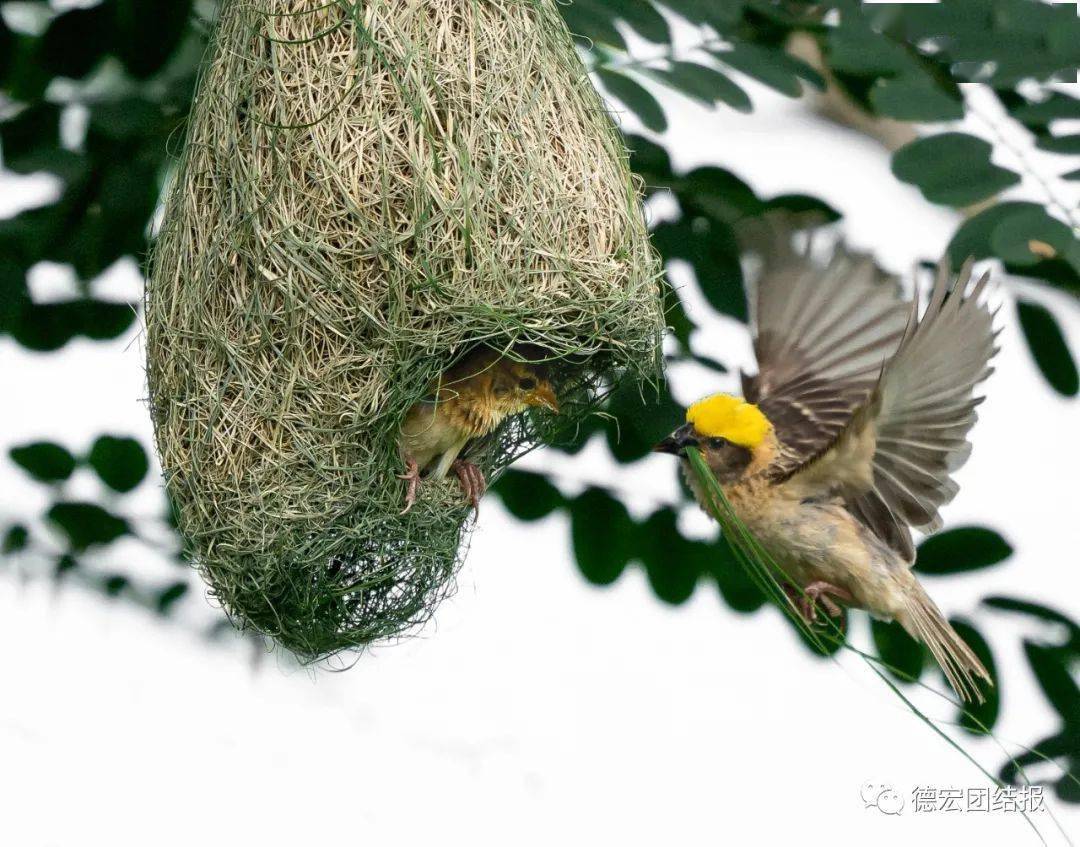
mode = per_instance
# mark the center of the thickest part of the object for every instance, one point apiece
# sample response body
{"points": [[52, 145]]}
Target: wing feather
{"points": [[821, 337], [919, 415], [927, 397], [870, 508]]}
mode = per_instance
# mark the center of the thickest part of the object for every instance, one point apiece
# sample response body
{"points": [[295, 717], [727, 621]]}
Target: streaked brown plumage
{"points": [[865, 409], [467, 403]]}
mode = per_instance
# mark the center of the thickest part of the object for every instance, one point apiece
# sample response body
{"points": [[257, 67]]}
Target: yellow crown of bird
{"points": [[729, 417]]}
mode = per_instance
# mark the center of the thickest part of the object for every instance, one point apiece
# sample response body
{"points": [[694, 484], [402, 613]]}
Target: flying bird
{"points": [[462, 407], [847, 437]]}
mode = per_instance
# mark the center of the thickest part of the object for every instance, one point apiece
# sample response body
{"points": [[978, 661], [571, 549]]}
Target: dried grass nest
{"points": [[368, 190]]}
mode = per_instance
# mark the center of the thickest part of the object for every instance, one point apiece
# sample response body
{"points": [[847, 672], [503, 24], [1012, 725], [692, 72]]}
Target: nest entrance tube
{"points": [[368, 190]]}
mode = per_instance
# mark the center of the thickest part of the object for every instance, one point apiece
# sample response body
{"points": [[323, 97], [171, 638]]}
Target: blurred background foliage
{"points": [[97, 95]]}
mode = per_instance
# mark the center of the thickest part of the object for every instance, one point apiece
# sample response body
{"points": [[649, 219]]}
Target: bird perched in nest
{"points": [[848, 434], [463, 406]]}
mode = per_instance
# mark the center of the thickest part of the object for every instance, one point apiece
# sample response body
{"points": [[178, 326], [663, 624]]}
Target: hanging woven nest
{"points": [[368, 191]]}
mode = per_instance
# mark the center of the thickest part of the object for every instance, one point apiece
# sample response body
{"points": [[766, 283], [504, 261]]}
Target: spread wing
{"points": [[898, 453], [821, 337]]}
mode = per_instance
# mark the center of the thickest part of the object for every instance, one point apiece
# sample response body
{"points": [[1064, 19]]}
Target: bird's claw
{"points": [[815, 594], [472, 481], [412, 475]]}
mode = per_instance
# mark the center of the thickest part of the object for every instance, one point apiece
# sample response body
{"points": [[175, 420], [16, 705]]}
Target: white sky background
{"points": [[536, 708]]}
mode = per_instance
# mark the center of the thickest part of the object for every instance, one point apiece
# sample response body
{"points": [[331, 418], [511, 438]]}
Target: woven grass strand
{"points": [[368, 190]]}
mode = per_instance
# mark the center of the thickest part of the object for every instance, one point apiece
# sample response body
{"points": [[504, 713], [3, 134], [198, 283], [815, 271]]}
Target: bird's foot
{"points": [[818, 593], [412, 476], [472, 481]]}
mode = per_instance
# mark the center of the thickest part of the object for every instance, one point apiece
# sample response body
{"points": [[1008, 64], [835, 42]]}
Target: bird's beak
{"points": [[544, 396], [678, 441]]}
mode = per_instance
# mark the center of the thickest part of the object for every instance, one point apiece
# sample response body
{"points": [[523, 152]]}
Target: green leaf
{"points": [[803, 211], [590, 20], [13, 294], [650, 161], [643, 17], [1021, 237], [854, 48], [8, 41], [1051, 667], [528, 496], [49, 326], [708, 362], [669, 559], [675, 314], [115, 584], [736, 587], [44, 461], [1058, 106], [24, 239], [170, 596], [25, 74], [1066, 145], [1048, 347], [713, 252], [898, 650], [719, 15], [771, 66], [102, 320], [595, 19], [966, 548], [717, 193], [87, 524], [65, 564], [952, 169], [112, 215], [16, 538], [77, 40], [714, 559], [972, 238], [635, 97], [975, 716], [603, 536], [65, 165], [914, 99], [148, 31], [642, 416], [31, 131], [127, 120], [121, 463], [1040, 612], [706, 85]]}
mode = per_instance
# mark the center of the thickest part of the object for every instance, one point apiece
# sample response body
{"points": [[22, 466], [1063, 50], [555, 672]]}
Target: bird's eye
{"points": [[527, 383], [717, 443]]}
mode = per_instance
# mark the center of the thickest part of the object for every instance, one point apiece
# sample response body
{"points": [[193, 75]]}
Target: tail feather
{"points": [[924, 621]]}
